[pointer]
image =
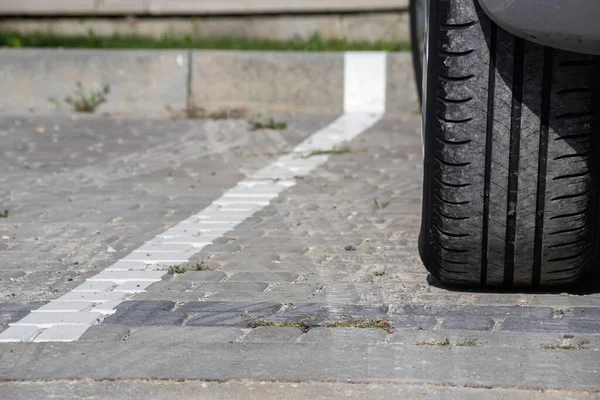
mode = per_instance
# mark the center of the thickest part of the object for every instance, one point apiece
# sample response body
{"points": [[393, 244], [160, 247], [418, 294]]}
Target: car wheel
{"points": [[510, 128]]}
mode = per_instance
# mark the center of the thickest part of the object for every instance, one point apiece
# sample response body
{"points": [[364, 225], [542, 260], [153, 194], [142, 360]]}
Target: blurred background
{"points": [[360, 24]]}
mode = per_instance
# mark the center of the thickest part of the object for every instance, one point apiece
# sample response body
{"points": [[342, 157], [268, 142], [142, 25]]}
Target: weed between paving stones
{"points": [[257, 124], [180, 269], [306, 324], [335, 150], [82, 102], [468, 342], [4, 214], [376, 323], [381, 204], [201, 113], [579, 346]]}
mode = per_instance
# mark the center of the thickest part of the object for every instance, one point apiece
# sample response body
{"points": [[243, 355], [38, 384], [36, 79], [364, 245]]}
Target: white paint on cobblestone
{"points": [[49, 319], [20, 334], [65, 306], [364, 104], [62, 333], [93, 286]]}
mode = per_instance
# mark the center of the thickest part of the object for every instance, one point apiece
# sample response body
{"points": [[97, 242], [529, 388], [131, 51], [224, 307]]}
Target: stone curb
{"points": [[163, 82]]}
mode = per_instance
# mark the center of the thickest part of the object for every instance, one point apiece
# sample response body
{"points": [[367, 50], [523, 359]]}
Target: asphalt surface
{"points": [[339, 248]]}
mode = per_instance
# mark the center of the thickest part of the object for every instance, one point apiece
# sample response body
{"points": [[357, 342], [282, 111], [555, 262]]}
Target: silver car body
{"points": [[565, 24]]}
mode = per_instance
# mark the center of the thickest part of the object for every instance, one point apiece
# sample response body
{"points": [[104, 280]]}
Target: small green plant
{"points": [[380, 273], [335, 150], [444, 342], [180, 269], [558, 347], [376, 323], [304, 324], [83, 102], [582, 343], [257, 124], [567, 346], [467, 343], [380, 205], [4, 214], [201, 113]]}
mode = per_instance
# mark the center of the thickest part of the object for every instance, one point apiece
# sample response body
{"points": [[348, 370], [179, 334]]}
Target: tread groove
{"points": [[454, 101], [458, 26], [450, 142], [513, 162], [445, 53], [455, 78], [488, 156], [540, 205]]}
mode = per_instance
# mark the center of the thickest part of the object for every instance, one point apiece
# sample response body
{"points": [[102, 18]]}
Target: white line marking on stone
{"points": [[61, 320]]}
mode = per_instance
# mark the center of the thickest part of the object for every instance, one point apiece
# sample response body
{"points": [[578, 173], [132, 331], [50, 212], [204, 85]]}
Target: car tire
{"points": [[510, 129]]}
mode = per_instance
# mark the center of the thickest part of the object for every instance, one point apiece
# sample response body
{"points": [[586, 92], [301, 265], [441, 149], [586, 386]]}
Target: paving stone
{"points": [[160, 257], [163, 247], [105, 333], [565, 301], [123, 265], [169, 287], [19, 334], [234, 291], [235, 319], [273, 334], [64, 306], [481, 311], [359, 335], [95, 286], [15, 306], [124, 276], [216, 307], [132, 287], [263, 277], [7, 317], [563, 325], [201, 276], [48, 319], [94, 296], [62, 333], [320, 312], [584, 312], [132, 317], [145, 306], [107, 307], [413, 321], [466, 322], [197, 334]]}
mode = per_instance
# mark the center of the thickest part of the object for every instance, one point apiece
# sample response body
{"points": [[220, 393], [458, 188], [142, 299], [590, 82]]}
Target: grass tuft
{"points": [[467, 343], [578, 346], [336, 150], [444, 342], [94, 41], [4, 214], [380, 205], [180, 269], [257, 124], [304, 324], [84, 102], [376, 323]]}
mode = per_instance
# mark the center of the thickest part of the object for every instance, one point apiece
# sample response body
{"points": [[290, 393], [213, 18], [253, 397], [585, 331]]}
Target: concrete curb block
{"points": [[151, 82]]}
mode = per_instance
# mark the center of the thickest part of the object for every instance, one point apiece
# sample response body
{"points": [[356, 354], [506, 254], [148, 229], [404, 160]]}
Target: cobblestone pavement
{"points": [[324, 284]]}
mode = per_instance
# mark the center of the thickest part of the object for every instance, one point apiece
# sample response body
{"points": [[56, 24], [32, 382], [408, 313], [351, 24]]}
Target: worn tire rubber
{"points": [[510, 185]]}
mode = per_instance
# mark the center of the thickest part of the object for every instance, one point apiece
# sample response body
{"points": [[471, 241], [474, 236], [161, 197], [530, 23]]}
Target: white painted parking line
{"points": [[364, 104]]}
